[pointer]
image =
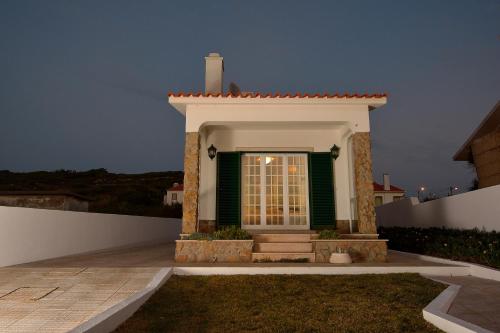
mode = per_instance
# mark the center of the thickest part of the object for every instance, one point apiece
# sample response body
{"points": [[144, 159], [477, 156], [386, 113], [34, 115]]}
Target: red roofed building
{"points": [[175, 195], [385, 193]]}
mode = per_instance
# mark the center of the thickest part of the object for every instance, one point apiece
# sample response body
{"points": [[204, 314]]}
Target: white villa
{"points": [[276, 162], [174, 195]]}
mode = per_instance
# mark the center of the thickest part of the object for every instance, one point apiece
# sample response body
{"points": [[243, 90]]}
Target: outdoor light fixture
{"points": [[212, 152], [335, 150]]}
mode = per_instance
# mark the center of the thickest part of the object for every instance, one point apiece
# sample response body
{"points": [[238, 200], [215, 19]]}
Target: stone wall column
{"points": [[191, 182], [363, 182]]}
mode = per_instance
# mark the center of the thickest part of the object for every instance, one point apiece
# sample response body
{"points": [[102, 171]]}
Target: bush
{"points": [[328, 234], [474, 245], [229, 233], [232, 232], [199, 236]]}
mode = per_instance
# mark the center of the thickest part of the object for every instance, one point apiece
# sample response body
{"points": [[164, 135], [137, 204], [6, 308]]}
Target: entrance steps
{"points": [[283, 247]]}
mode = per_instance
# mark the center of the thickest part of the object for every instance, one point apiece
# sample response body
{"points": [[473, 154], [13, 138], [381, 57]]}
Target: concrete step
{"points": [[282, 238], [283, 247], [276, 257]]}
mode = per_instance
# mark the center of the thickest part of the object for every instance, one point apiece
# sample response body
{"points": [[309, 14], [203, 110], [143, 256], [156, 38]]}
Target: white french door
{"points": [[274, 191]]}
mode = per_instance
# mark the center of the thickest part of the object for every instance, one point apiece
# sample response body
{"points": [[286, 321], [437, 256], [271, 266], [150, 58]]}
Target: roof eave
{"points": [[180, 103]]}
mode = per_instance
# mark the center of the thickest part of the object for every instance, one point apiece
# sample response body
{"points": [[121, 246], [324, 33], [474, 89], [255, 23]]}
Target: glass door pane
{"points": [[251, 189], [297, 189], [274, 189]]}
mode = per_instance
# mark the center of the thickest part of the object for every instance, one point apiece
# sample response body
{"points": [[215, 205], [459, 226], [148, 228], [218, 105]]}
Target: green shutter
{"points": [[228, 189], [321, 201]]}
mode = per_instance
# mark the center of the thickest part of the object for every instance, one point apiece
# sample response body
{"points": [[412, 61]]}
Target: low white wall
{"points": [[28, 234], [476, 209]]}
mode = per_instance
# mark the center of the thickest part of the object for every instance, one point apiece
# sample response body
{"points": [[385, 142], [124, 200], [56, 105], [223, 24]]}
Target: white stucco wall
{"points": [[279, 138], [476, 209], [29, 234]]}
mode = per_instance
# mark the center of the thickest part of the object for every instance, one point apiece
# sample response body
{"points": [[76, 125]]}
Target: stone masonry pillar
{"points": [[191, 182], [363, 181]]}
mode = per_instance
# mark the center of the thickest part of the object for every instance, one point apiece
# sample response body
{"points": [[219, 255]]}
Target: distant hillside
{"points": [[133, 194]]}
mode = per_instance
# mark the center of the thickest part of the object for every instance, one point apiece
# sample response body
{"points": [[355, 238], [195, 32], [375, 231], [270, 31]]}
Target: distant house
{"points": [[482, 149], [385, 193], [45, 200], [174, 195]]}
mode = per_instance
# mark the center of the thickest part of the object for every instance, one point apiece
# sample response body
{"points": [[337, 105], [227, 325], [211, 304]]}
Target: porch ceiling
{"points": [[285, 125]]}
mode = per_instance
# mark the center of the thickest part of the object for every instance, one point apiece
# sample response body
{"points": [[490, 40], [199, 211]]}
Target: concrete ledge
{"points": [[111, 318], [436, 313], [321, 270]]}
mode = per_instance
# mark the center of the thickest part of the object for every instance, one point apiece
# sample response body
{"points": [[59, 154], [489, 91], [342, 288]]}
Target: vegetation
{"points": [[474, 245], [288, 303], [232, 232], [229, 233], [328, 234], [132, 194]]}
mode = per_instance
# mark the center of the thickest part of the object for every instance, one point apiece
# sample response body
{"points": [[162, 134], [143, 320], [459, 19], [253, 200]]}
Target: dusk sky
{"points": [[83, 83]]}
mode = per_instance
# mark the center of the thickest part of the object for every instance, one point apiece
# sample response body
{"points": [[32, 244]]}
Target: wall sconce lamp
{"points": [[212, 152], [335, 150]]}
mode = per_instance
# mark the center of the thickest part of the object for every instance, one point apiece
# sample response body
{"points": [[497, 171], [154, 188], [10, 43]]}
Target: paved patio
{"points": [[57, 295], [477, 302]]}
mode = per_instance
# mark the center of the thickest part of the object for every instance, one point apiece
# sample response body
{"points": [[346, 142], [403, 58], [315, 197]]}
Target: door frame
{"points": [[286, 219]]}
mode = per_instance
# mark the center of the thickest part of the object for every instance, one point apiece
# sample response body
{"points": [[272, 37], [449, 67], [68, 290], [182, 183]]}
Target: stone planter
{"points": [[360, 250], [213, 251], [340, 258]]}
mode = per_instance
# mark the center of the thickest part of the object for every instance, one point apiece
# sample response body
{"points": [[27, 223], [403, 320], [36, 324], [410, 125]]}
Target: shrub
{"points": [[199, 236], [476, 246], [232, 232], [328, 234], [228, 233]]}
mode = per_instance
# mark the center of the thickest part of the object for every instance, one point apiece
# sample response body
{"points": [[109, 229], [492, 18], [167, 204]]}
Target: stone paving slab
{"points": [[55, 299]]}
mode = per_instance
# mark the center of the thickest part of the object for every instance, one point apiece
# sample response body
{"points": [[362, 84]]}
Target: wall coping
{"points": [[349, 240], [214, 240]]}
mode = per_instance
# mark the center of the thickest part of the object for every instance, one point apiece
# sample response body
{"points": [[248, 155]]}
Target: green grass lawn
{"points": [[284, 303]]}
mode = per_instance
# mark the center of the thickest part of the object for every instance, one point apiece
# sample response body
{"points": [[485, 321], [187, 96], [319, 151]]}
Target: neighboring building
{"points": [[45, 200], [386, 192], [482, 149], [265, 161], [174, 195]]}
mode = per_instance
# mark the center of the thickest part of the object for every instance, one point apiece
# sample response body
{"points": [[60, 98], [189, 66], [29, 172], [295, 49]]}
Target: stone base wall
{"points": [[360, 250], [187, 251], [207, 226]]}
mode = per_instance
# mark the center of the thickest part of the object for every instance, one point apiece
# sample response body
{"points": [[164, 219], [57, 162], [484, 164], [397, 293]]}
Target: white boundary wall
{"points": [[28, 234], [476, 209]]}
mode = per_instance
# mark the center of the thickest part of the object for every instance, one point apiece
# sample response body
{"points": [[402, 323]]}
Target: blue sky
{"points": [[83, 83]]}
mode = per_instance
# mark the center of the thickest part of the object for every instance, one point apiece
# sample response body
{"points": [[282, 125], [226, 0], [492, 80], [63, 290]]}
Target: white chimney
{"points": [[214, 69], [387, 182]]}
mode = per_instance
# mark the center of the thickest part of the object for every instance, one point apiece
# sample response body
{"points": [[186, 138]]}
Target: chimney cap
{"points": [[213, 55]]}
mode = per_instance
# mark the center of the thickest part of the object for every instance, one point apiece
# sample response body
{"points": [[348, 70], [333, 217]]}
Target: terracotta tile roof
{"points": [[278, 95], [380, 188], [179, 187]]}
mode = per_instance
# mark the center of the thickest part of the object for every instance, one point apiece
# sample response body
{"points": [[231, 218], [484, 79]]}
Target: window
{"points": [[174, 197], [378, 200], [397, 197]]}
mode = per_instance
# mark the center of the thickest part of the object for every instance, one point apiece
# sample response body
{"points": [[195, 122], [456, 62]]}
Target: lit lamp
{"points": [[212, 152], [335, 150]]}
